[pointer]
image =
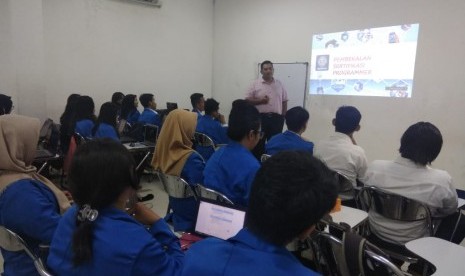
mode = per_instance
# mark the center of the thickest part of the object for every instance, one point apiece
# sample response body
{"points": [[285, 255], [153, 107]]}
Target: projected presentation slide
{"points": [[219, 221], [369, 62]]}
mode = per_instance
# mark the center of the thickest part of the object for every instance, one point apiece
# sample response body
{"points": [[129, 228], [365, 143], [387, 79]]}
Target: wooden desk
{"points": [[447, 257], [352, 216]]}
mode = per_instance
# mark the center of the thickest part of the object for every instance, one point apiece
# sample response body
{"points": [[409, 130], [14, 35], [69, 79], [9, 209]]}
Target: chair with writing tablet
{"points": [[204, 145], [352, 255], [11, 241], [176, 187], [207, 193], [264, 157], [398, 208]]}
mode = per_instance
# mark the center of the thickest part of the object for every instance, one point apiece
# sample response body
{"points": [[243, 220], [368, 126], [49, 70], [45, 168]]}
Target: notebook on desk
{"points": [[218, 220]]}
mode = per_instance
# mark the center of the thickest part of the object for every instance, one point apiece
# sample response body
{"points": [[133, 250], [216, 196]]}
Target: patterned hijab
{"points": [[174, 144], [18, 143]]}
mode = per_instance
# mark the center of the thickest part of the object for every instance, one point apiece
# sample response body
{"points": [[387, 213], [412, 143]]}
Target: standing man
{"points": [[198, 104], [270, 98]]}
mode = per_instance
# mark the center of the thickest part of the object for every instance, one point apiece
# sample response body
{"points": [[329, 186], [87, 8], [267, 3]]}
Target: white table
{"points": [[447, 257], [349, 215]]}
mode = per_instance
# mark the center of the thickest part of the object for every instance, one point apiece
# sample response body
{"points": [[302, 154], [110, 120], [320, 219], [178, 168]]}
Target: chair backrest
{"points": [[352, 256], [11, 241], [175, 186], [79, 139], [394, 206], [203, 140], [346, 189], [264, 157], [204, 145], [212, 194]]}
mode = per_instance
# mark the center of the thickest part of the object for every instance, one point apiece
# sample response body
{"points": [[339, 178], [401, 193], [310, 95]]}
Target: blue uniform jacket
{"points": [[84, 127], [287, 141], [231, 171], [213, 129], [120, 246], [133, 117], [106, 131], [30, 209], [149, 116], [243, 254], [185, 209]]}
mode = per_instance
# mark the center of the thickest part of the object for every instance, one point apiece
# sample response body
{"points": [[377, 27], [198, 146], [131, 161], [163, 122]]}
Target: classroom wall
{"points": [[52, 48], [248, 32]]}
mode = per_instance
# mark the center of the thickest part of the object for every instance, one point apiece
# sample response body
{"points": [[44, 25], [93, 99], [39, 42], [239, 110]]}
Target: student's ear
{"points": [[306, 233], [334, 122], [357, 128]]}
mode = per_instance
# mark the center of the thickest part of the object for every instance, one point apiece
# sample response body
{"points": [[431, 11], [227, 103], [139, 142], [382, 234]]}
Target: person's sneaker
{"points": [[146, 197]]}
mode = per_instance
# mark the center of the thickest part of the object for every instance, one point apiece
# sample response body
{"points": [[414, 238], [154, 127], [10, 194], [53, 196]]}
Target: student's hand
{"points": [[144, 214], [265, 99], [69, 196], [221, 118]]}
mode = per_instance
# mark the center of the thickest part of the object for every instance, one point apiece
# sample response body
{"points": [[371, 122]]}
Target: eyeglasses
{"points": [[261, 133]]}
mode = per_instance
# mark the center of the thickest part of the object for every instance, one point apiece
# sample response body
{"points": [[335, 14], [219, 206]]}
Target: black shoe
{"points": [[146, 197]]}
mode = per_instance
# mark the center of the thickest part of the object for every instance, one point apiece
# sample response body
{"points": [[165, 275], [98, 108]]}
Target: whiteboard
{"points": [[293, 76]]}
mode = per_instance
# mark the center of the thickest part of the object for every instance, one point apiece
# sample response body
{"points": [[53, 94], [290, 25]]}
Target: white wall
{"points": [[97, 47], [51, 48], [247, 32]]}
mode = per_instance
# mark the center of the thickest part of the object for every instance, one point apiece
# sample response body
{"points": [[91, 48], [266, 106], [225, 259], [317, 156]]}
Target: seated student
{"points": [[106, 232], [106, 122], [85, 118], [174, 156], [290, 194], [129, 112], [231, 169], [149, 115], [212, 125], [411, 176], [117, 100], [30, 204], [340, 152], [198, 104], [67, 121], [6, 104], [296, 122]]}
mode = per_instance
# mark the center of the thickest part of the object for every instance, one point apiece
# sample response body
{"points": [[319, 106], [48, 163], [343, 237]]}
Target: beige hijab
{"points": [[174, 144], [18, 143]]}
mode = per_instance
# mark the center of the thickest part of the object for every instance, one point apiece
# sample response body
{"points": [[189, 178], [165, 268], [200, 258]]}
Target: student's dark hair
{"points": [[347, 119], [5, 104], [127, 106], [85, 108], [291, 192], [265, 62], [211, 105], [421, 143], [107, 115], [100, 171], [195, 99], [296, 118], [144, 99], [116, 97], [243, 118], [70, 108]]}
